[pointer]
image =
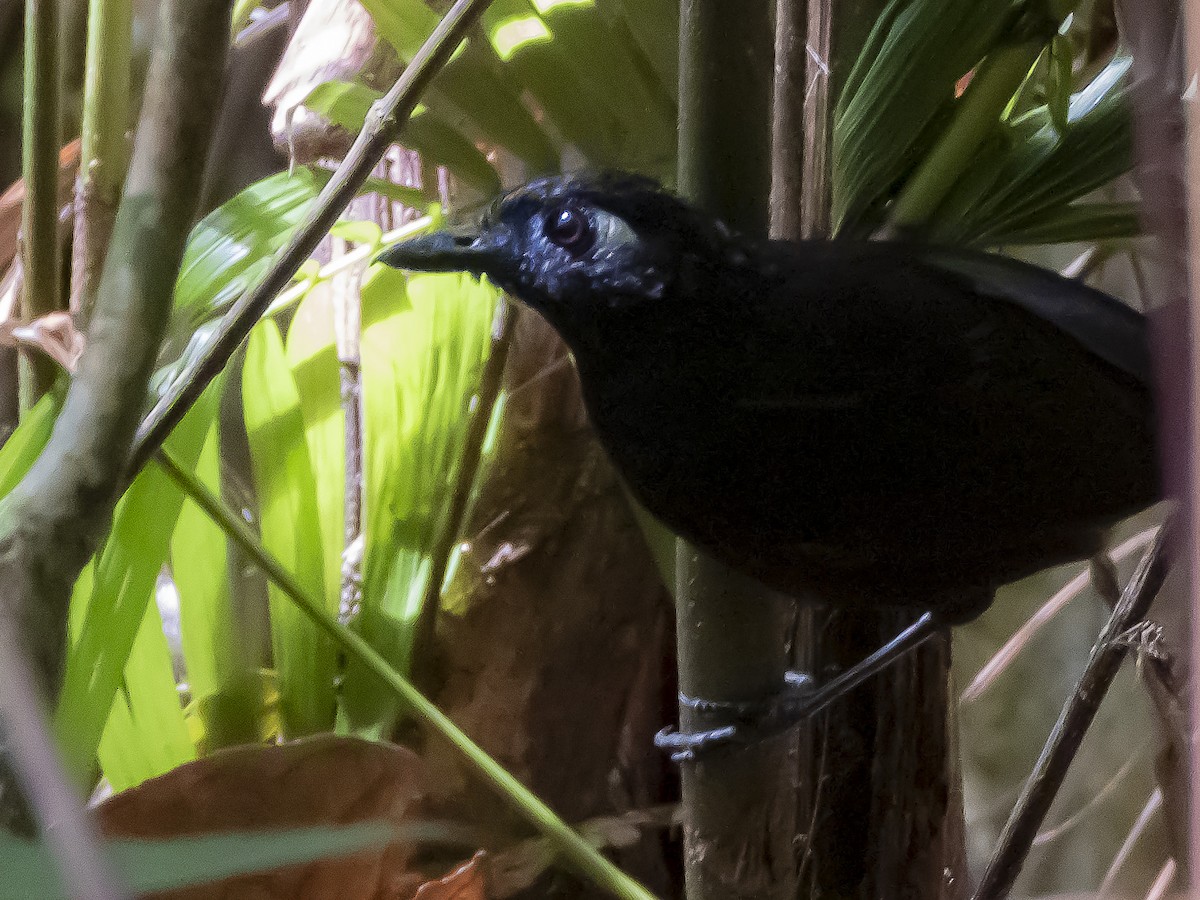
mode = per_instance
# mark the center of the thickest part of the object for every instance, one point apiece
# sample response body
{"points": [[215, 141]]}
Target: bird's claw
{"points": [[737, 724]]}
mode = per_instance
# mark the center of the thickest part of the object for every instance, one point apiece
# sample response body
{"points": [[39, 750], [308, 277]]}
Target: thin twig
{"points": [[1094, 802], [381, 129], [1073, 722], [454, 515], [1162, 882], [348, 331], [1006, 655]]}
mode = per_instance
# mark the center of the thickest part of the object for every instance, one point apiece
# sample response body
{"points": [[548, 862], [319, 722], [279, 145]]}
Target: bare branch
{"points": [[1073, 722], [382, 127], [1004, 657]]}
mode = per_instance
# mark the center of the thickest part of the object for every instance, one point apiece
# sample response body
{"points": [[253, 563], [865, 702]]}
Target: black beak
{"points": [[448, 251]]}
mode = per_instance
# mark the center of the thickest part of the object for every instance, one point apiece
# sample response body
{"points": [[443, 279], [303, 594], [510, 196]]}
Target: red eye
{"points": [[570, 228]]}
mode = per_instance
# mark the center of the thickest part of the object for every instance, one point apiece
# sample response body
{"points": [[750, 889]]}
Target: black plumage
{"points": [[862, 422]]}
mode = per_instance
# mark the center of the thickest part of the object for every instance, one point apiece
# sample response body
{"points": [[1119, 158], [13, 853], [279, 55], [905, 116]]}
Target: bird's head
{"points": [[573, 246]]}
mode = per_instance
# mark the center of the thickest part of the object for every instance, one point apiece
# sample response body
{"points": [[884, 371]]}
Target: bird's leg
{"points": [[748, 723]]}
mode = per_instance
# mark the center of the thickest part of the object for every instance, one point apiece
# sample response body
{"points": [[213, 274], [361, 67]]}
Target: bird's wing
{"points": [[847, 323], [1106, 327]]}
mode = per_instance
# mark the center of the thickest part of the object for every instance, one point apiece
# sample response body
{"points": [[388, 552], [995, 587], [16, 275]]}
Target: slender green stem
{"points": [[573, 847], [104, 154], [738, 809], [39, 220], [978, 114]]}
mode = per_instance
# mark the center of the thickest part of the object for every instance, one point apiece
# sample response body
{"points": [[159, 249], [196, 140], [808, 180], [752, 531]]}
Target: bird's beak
{"points": [[448, 251]]}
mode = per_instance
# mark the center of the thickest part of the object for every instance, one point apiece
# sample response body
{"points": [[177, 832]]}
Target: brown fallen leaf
{"points": [[464, 883], [318, 781]]}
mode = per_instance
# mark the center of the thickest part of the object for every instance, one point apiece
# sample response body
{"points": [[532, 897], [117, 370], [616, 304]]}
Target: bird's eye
{"points": [[570, 228]]}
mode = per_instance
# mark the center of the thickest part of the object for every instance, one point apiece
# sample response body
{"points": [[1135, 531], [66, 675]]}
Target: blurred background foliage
{"points": [[987, 122]]}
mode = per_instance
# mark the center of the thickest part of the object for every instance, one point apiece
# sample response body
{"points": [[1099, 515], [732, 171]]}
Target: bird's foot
{"points": [[737, 724], [741, 724]]}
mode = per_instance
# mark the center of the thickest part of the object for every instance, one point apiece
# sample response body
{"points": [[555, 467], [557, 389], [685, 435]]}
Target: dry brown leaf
{"points": [[54, 334], [319, 781], [464, 883], [335, 40]]}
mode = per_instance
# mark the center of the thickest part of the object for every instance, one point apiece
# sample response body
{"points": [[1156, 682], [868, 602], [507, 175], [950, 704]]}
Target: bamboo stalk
{"points": [[39, 218], [104, 154], [739, 808]]}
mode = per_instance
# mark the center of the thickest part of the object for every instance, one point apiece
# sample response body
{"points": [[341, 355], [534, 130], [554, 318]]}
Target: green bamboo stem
{"points": [[568, 842], [738, 808], [39, 218], [104, 154], [978, 114]]}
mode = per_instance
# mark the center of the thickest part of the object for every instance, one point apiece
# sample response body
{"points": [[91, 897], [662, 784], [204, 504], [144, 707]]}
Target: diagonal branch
{"points": [[382, 127], [1073, 722]]}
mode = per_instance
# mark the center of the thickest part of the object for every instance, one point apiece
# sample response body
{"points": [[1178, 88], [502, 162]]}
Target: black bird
{"points": [[868, 423]]}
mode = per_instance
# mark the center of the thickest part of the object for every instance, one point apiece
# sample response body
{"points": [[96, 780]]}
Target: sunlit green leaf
{"points": [[26, 443], [313, 358], [290, 526], [219, 640], [423, 344], [471, 82], [113, 611], [357, 232], [644, 111], [526, 44], [146, 734]]}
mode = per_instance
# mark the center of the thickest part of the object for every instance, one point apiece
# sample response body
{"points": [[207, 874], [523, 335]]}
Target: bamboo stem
{"points": [[39, 219], [739, 808], [104, 154]]}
